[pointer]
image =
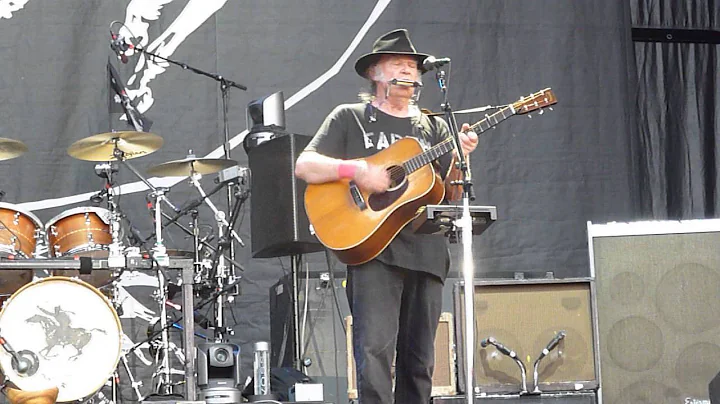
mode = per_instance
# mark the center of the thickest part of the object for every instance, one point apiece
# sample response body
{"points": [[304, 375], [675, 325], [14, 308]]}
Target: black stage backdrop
{"points": [[547, 175], [678, 108]]}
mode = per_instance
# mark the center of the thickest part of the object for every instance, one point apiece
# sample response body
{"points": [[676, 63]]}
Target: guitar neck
{"points": [[491, 120], [446, 145], [428, 156]]}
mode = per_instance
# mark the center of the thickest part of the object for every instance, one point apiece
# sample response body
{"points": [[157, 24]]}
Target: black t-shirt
{"points": [[350, 133]]}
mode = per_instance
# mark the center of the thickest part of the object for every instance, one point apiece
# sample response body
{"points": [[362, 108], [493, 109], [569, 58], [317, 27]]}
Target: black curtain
{"points": [[547, 175], [677, 106]]}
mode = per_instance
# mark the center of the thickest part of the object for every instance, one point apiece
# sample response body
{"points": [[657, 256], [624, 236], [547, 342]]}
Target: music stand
{"points": [[440, 219]]}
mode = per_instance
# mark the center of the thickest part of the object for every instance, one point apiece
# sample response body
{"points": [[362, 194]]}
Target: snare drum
{"points": [[81, 231], [70, 328]]}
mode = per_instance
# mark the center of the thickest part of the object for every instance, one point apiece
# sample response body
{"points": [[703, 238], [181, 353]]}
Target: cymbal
{"points": [[9, 148], [101, 147], [190, 165]]}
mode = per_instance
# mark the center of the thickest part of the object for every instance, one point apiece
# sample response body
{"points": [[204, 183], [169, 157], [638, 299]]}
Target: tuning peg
{"points": [[529, 116], [542, 111], [551, 108]]}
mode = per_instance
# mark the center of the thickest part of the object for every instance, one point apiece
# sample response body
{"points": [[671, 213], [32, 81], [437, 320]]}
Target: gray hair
{"points": [[375, 74]]}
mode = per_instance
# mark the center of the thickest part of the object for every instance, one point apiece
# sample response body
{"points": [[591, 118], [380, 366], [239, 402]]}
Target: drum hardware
{"points": [[225, 85], [106, 170], [218, 270], [220, 274], [194, 179], [135, 385]]}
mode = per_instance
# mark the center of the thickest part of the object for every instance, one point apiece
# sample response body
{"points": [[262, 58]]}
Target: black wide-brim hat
{"points": [[395, 42]]}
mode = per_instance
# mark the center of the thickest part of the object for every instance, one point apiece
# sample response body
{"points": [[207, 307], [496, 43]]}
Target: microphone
{"points": [[431, 62], [508, 352], [500, 347], [405, 83], [119, 46], [25, 363], [550, 346], [553, 343]]}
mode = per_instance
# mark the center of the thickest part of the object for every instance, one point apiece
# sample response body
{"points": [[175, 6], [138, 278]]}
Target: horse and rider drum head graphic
{"points": [[73, 331]]}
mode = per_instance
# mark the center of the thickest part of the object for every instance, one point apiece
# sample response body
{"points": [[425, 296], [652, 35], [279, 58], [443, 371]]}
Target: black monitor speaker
{"points": [[279, 226]]}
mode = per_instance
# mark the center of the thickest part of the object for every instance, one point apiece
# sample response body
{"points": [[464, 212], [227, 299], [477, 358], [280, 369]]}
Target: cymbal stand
{"points": [[135, 385], [222, 277], [116, 259], [194, 180], [159, 255]]}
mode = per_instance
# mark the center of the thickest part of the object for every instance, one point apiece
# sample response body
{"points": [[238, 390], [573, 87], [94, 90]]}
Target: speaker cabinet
{"points": [[658, 309], [323, 333], [279, 226], [551, 398], [443, 382], [525, 315]]}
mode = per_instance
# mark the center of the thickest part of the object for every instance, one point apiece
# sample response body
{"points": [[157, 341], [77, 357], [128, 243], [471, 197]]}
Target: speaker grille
{"points": [[658, 315], [524, 316]]}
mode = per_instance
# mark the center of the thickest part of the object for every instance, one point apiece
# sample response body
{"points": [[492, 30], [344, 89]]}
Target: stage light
{"points": [[265, 120], [218, 373]]}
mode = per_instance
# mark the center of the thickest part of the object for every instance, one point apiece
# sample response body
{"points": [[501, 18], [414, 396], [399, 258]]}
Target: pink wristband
{"points": [[346, 170]]}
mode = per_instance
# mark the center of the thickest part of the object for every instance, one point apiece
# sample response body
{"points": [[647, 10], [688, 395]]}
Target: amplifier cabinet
{"points": [[444, 376], [524, 315], [587, 397]]}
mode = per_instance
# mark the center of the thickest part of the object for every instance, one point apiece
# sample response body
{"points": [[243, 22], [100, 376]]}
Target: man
{"points": [[395, 299]]}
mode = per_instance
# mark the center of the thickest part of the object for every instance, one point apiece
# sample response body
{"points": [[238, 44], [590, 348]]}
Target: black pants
{"points": [[393, 309]]}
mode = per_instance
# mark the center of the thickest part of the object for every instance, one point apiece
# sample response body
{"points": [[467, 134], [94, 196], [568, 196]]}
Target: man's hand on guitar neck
{"points": [[468, 139]]}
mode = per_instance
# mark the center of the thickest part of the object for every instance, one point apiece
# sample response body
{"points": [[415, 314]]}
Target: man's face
{"points": [[397, 67]]}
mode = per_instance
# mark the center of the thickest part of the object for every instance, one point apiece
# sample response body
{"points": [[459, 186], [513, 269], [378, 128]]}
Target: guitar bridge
{"points": [[357, 196]]}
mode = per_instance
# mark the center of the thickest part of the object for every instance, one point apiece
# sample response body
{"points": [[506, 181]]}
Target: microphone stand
{"points": [[225, 85], [465, 224]]}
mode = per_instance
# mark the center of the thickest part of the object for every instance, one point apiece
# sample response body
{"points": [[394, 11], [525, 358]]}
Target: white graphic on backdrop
{"points": [[8, 7], [138, 18], [303, 93]]}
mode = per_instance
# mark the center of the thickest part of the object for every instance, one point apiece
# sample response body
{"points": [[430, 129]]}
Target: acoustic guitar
{"points": [[357, 226]]}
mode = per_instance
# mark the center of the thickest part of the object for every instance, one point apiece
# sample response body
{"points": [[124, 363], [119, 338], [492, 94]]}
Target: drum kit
{"points": [[65, 326]]}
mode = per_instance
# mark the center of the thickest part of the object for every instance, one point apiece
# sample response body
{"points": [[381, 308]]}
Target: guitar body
{"points": [[358, 226]]}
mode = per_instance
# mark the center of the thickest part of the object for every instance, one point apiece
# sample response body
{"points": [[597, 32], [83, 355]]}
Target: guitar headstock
{"points": [[541, 99]]}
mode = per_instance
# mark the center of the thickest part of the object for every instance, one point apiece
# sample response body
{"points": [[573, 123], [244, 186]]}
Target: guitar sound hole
{"points": [[397, 177], [398, 185]]}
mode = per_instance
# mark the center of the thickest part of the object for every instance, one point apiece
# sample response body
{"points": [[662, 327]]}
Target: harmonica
{"points": [[405, 83]]}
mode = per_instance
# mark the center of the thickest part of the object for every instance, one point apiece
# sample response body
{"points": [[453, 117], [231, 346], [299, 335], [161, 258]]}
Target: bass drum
{"points": [[69, 329]]}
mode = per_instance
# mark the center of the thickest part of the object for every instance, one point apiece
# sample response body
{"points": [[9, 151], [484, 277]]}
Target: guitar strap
{"points": [[421, 125]]}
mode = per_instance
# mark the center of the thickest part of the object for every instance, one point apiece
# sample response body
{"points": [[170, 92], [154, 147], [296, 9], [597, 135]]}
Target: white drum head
{"points": [[71, 328]]}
